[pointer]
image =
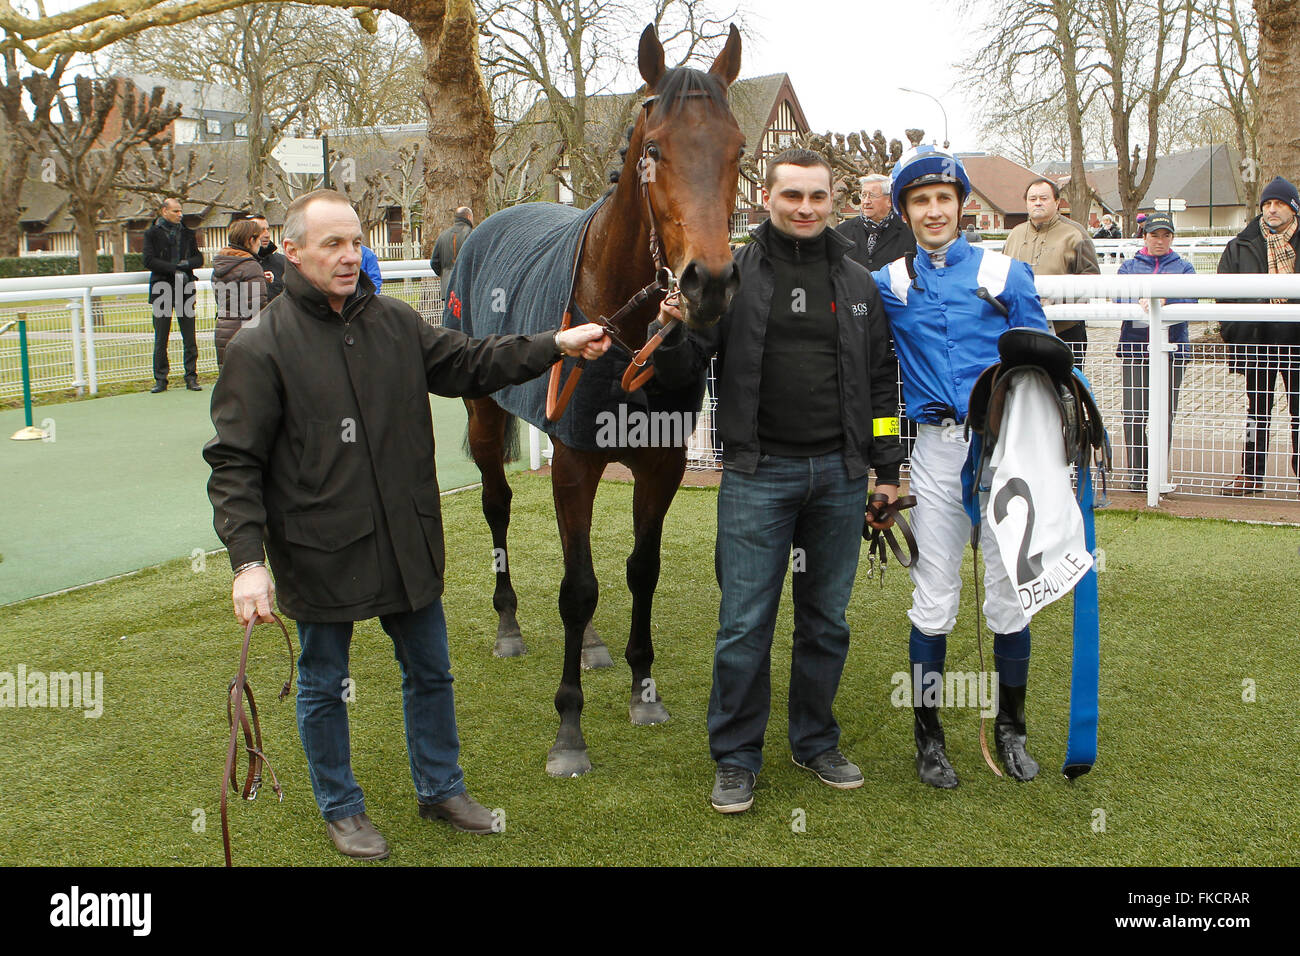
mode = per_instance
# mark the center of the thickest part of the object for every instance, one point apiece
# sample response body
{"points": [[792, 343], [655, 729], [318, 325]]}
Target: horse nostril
{"points": [[692, 280]]}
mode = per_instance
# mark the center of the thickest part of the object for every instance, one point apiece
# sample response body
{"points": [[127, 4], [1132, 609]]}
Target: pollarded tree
{"points": [[98, 127]]}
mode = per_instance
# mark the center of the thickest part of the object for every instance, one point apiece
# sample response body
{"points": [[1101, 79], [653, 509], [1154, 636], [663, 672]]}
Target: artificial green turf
{"points": [[123, 485], [1189, 773]]}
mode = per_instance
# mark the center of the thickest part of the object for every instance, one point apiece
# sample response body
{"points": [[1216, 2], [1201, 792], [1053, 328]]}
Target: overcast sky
{"points": [[847, 58]]}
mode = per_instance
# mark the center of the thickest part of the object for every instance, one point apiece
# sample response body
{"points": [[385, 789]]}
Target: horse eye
{"points": [[652, 151], [741, 154]]}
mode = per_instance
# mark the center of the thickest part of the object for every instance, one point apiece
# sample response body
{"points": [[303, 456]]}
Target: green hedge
{"points": [[18, 267]]}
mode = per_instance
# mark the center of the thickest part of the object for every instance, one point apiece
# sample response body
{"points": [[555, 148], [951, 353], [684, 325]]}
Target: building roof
{"points": [[195, 99], [1185, 176], [999, 180]]}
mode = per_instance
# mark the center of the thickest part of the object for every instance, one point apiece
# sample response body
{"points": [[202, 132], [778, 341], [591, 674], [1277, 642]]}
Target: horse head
{"points": [[684, 153]]}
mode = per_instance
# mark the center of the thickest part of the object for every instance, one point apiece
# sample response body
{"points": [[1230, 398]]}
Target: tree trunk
{"points": [[1279, 89], [1077, 192], [119, 247], [14, 157], [87, 240], [458, 158]]}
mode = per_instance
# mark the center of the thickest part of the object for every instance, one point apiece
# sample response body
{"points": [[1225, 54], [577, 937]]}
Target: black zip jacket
{"points": [[1248, 253], [868, 369], [894, 242]]}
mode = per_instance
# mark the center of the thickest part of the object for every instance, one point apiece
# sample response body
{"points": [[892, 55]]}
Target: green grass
{"points": [[1189, 773]]}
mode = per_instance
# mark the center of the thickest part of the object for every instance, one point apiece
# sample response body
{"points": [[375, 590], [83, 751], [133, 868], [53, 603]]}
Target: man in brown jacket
{"points": [[1054, 245], [324, 454]]}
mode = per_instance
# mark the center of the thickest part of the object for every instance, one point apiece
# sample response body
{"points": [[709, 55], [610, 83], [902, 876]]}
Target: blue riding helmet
{"points": [[923, 165]]}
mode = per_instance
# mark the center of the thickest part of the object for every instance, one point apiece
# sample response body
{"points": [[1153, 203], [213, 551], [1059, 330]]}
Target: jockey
{"points": [[946, 307]]}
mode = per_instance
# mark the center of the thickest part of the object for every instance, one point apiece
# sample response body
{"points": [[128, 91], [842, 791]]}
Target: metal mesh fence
{"points": [[51, 356]]}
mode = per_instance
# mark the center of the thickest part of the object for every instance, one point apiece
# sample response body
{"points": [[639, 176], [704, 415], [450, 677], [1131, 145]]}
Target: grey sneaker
{"points": [[733, 789], [833, 769]]}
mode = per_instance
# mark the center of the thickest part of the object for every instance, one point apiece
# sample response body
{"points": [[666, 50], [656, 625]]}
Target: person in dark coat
{"points": [[171, 254], [879, 236], [1108, 229], [1266, 351], [238, 283], [448, 245], [272, 261], [323, 460]]}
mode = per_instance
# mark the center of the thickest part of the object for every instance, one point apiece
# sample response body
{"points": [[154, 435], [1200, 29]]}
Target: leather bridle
{"points": [[880, 508], [638, 371], [238, 718]]}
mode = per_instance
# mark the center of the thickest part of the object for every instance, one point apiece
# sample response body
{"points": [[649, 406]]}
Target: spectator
{"points": [[171, 254], [1054, 245], [238, 282], [1266, 350], [271, 260], [879, 236], [1108, 229], [447, 248], [370, 266], [1141, 220], [971, 234], [1156, 256]]}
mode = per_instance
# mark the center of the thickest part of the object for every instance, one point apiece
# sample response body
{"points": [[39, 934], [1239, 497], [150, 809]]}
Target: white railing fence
{"points": [[88, 331]]}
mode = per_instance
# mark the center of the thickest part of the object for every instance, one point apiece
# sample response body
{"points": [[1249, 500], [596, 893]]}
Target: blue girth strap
{"points": [[1085, 674]]}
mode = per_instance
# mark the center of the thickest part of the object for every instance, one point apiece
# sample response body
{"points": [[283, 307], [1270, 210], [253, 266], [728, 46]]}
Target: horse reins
{"points": [[638, 371], [252, 728], [880, 508]]}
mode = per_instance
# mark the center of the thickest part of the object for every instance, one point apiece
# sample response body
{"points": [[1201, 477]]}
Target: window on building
{"points": [[214, 127], [241, 129]]}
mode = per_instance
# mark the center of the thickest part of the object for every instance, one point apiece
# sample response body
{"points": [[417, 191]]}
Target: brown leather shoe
{"points": [[1243, 485], [464, 813], [357, 837]]}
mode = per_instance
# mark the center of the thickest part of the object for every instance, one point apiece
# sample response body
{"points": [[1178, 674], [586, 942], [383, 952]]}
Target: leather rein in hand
{"points": [[880, 508], [252, 728], [638, 372]]}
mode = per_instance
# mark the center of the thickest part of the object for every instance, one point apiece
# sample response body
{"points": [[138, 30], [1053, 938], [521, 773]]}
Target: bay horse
{"points": [[664, 226]]}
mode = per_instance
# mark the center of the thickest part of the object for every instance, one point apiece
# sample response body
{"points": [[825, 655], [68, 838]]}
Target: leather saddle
{"points": [[1039, 353]]}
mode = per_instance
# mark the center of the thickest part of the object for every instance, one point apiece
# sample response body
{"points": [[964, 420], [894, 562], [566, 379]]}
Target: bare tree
{"points": [[1144, 47], [1040, 55], [852, 157], [570, 51], [98, 127], [1233, 35], [21, 133]]}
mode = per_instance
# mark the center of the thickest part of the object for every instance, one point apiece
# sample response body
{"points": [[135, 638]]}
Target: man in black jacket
{"points": [[324, 460], [1266, 350], [449, 243], [271, 260], [807, 405], [171, 254], [879, 236]]}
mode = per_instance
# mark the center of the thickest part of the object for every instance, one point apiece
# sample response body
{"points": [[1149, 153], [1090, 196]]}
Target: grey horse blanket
{"points": [[513, 276]]}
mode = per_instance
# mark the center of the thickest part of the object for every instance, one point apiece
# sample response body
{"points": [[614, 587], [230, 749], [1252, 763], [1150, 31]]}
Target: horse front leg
{"points": [[574, 479], [487, 437], [657, 474]]}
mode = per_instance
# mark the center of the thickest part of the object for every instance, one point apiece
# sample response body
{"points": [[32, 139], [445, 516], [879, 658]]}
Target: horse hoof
{"points": [[567, 763], [648, 713], [509, 646], [595, 656]]}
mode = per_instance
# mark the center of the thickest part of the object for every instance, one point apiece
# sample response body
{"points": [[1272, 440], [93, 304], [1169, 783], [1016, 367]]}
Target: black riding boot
{"points": [[1009, 732], [931, 762]]}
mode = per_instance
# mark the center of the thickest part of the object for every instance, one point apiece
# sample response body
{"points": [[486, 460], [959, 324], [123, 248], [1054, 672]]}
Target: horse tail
{"points": [[509, 444]]}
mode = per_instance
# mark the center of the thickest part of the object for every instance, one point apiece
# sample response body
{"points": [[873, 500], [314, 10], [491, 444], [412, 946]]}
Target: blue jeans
{"points": [[420, 645], [811, 505]]}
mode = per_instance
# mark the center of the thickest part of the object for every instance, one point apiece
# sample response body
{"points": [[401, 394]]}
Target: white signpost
{"points": [[1171, 205], [299, 155]]}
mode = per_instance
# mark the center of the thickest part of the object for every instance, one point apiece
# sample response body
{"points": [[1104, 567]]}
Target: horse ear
{"points": [[650, 57], [727, 65]]}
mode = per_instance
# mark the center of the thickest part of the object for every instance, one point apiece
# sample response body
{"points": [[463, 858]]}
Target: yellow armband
{"points": [[884, 426]]}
